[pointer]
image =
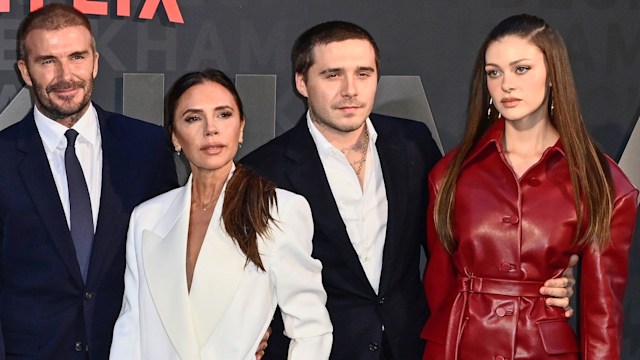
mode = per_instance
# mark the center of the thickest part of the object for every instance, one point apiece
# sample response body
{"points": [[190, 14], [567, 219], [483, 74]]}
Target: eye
{"points": [[191, 118], [522, 69], [77, 57], [493, 73], [46, 62], [225, 114], [331, 75]]}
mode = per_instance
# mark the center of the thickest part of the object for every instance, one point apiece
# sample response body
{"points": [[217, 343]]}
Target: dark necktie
{"points": [[80, 205]]}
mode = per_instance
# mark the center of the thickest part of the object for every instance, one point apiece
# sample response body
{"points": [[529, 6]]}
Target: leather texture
{"points": [[512, 235]]}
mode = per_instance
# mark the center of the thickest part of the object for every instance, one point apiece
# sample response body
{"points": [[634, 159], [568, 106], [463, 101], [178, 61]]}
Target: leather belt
{"points": [[473, 284]]}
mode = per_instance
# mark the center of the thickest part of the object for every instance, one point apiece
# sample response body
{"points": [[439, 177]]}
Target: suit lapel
{"points": [[308, 178], [36, 175], [112, 211], [163, 253], [393, 160], [218, 273]]}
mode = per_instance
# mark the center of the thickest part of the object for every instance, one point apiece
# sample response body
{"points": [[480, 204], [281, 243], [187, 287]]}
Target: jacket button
{"points": [[88, 295], [500, 357], [381, 300], [506, 267], [78, 346], [373, 346], [501, 312], [514, 219], [534, 182]]}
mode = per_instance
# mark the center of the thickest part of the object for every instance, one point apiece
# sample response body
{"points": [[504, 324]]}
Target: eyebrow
{"points": [[510, 64], [52, 57], [200, 111], [339, 70]]}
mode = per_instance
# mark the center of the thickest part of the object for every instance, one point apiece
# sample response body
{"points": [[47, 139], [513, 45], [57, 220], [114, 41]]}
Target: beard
{"points": [[66, 106]]}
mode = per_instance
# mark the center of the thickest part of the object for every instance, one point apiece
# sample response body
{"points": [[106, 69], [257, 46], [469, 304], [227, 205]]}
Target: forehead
{"points": [[71, 38], [208, 94], [352, 52], [512, 48]]}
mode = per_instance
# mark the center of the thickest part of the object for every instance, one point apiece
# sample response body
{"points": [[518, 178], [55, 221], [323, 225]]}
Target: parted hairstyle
{"points": [[51, 17], [248, 197], [588, 168], [323, 34]]}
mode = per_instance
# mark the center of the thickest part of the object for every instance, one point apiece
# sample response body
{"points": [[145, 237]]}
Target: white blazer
{"points": [[231, 303]]}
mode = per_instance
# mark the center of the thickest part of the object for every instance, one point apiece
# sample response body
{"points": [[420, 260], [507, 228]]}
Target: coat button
{"points": [[78, 346], [381, 300], [373, 346], [506, 267], [501, 312], [500, 357], [88, 295], [534, 182], [513, 219]]}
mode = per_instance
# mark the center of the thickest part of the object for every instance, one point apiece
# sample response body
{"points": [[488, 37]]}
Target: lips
{"points": [[212, 149], [510, 102]]}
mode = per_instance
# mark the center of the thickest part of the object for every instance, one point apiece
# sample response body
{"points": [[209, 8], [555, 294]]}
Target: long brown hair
{"points": [[588, 168], [249, 198]]}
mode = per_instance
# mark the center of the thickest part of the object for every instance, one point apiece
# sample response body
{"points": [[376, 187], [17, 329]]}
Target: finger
{"points": [[568, 312], [573, 260], [558, 292], [561, 282], [558, 302]]}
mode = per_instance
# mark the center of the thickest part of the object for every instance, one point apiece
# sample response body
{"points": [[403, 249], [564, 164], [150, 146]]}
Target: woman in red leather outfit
{"points": [[526, 188]]}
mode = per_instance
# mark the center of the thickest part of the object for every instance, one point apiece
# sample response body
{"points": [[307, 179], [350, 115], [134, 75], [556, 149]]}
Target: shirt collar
{"points": [[493, 139], [52, 132], [324, 146]]}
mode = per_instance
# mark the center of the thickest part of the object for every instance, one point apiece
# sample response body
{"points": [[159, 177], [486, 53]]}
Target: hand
{"points": [[263, 344], [560, 290]]}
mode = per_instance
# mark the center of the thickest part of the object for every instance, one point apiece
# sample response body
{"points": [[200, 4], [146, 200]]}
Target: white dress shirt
{"points": [[88, 150], [364, 210]]}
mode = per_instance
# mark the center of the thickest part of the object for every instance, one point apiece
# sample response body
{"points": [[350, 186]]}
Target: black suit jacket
{"points": [[407, 153], [46, 310]]}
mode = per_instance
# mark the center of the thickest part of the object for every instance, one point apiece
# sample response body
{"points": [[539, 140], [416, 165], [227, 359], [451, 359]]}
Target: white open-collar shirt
{"points": [[364, 210], [88, 150]]}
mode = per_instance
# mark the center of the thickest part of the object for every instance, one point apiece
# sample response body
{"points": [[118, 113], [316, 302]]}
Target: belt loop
{"points": [[471, 287]]}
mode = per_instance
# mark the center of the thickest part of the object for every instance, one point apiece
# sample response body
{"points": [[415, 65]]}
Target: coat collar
{"points": [[190, 318]]}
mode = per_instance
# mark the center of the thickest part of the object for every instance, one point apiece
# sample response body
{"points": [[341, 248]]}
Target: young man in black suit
{"points": [[365, 177]]}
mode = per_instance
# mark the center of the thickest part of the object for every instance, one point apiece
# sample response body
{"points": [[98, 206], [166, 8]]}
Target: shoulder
{"points": [[288, 201], [158, 204], [390, 124], [622, 186], [129, 126], [274, 148], [441, 166]]}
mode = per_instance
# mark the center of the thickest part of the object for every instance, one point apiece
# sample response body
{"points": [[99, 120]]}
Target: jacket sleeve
{"points": [[298, 282], [126, 332], [440, 277], [603, 282]]}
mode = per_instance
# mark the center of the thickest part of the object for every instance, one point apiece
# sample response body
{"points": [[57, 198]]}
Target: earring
{"points": [[178, 150], [240, 145], [489, 108], [551, 97]]}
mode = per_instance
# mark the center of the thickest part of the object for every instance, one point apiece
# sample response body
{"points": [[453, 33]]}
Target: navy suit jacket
{"points": [[46, 310], [407, 153]]}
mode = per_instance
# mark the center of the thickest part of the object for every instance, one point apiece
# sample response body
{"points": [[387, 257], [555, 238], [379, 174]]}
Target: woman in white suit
{"points": [[208, 263]]}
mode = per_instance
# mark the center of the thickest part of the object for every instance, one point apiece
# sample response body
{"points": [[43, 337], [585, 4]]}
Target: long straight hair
{"points": [[588, 168], [248, 199]]}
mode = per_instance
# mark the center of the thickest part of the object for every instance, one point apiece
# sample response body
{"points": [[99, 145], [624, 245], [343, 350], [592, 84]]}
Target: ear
{"points": [[174, 141], [24, 72], [301, 86], [241, 137], [96, 56]]}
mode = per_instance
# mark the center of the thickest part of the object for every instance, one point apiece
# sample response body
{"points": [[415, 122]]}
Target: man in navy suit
{"points": [[365, 178], [50, 307]]}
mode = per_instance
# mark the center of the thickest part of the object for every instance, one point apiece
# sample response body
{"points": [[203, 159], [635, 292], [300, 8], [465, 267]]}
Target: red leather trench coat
{"points": [[514, 234]]}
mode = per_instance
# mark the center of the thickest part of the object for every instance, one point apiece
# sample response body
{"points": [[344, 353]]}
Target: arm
{"points": [[126, 332], [298, 281], [603, 282]]}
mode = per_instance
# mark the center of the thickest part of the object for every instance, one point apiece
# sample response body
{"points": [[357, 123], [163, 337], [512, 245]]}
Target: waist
{"points": [[474, 284]]}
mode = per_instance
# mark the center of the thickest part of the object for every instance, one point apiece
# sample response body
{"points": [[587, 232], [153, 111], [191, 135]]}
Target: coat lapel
{"points": [[163, 253], [393, 160], [190, 318], [218, 273], [36, 175], [308, 178], [112, 211]]}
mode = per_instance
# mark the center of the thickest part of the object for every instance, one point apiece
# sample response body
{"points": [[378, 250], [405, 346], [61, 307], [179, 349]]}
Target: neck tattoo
{"points": [[363, 147]]}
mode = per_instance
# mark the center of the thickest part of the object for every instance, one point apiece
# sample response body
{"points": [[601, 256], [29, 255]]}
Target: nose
{"points": [[507, 84], [210, 127], [63, 71], [349, 88]]}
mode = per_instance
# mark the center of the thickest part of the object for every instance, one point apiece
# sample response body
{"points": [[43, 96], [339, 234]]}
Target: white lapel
{"points": [[164, 252], [218, 273]]}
